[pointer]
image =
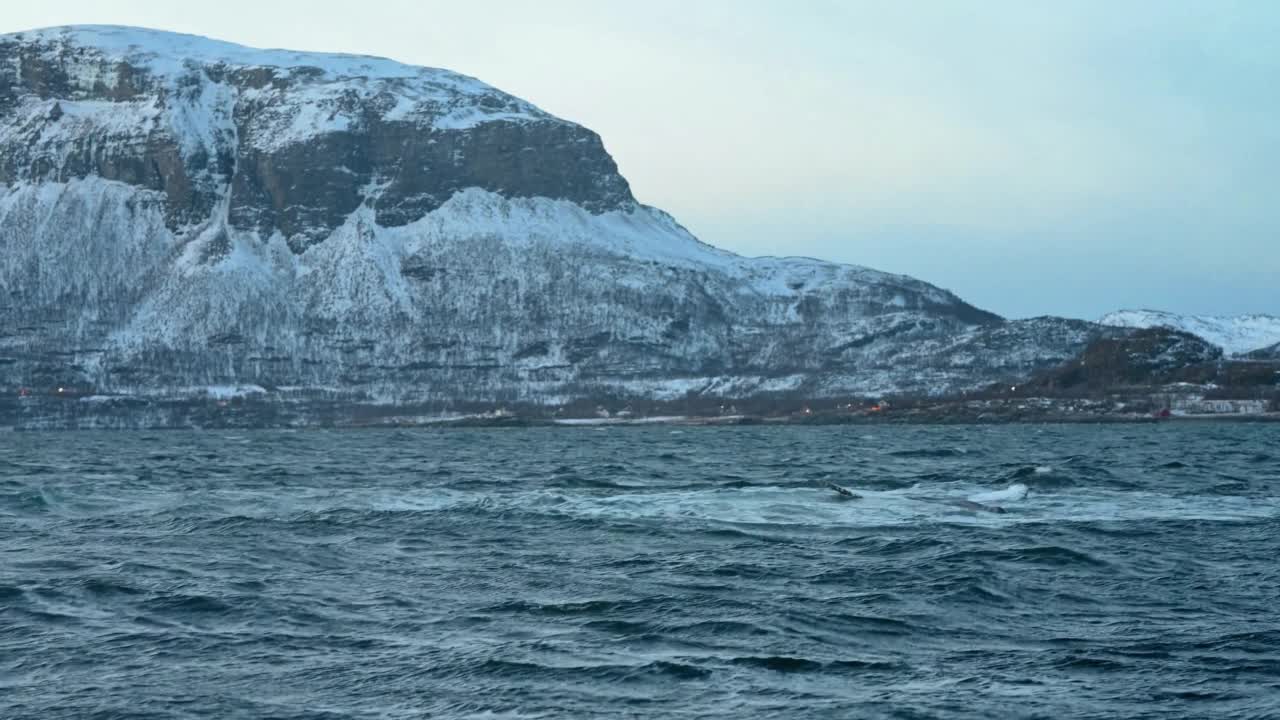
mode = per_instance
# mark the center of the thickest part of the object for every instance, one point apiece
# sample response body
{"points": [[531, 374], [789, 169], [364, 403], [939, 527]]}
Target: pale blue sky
{"points": [[1068, 158]]}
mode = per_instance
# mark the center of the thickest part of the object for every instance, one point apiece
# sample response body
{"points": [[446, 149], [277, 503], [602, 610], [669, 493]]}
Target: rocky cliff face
{"points": [[180, 216], [279, 142]]}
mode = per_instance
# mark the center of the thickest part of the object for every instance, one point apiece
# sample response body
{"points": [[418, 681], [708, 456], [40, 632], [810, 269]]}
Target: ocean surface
{"points": [[643, 572]]}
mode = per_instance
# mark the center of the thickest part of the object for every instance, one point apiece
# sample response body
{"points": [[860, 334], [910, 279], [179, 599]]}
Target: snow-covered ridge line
{"points": [[168, 52], [320, 81], [1238, 335]]}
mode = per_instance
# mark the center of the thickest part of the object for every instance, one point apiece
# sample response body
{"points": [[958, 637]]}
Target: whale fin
{"points": [[843, 491], [979, 507]]}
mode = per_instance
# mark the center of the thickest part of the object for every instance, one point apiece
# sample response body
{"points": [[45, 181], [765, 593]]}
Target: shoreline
{"points": [[1129, 406], [519, 422]]}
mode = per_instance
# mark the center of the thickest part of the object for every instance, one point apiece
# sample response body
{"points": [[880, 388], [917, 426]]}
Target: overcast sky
{"points": [[1063, 158]]}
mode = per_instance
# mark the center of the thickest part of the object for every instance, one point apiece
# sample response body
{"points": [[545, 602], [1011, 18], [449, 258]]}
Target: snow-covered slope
{"points": [[178, 213], [1239, 335]]}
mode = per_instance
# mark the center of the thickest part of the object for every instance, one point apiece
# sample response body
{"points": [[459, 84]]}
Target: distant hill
{"points": [[1237, 335]]}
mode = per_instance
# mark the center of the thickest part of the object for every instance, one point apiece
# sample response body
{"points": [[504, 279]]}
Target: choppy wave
{"points": [[710, 573]]}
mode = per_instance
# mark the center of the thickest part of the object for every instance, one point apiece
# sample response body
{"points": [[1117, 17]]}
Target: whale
{"points": [[989, 501], [844, 493], [1016, 492], [977, 506]]}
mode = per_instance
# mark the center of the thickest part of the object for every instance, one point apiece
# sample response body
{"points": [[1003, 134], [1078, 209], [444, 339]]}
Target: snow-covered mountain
{"points": [[178, 213], [1237, 336]]}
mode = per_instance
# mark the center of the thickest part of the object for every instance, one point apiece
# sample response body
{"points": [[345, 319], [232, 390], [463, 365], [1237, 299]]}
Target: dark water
{"points": [[591, 572]]}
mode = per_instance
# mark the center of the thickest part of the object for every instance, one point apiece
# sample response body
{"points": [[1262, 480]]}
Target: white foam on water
{"points": [[756, 506], [1013, 493], [1120, 506], [437, 500], [812, 507], [797, 507]]}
